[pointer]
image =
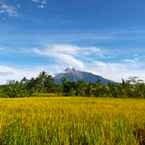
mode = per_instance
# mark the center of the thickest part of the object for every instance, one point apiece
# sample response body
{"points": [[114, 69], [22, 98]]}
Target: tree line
{"points": [[44, 83]]}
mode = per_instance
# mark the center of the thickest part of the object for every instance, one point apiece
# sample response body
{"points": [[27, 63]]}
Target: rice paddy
{"points": [[72, 121]]}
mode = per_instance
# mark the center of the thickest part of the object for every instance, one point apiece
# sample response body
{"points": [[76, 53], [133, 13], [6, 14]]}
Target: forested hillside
{"points": [[45, 84]]}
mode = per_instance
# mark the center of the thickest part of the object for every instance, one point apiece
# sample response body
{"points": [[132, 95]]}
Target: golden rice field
{"points": [[72, 121]]}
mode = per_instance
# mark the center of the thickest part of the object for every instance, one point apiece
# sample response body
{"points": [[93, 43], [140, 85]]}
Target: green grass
{"points": [[72, 121]]}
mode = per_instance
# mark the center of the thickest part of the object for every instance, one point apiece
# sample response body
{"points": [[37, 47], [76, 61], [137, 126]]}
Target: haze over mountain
{"points": [[72, 74]]}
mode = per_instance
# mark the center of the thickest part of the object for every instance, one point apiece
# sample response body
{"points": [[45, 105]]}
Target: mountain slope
{"points": [[75, 75]]}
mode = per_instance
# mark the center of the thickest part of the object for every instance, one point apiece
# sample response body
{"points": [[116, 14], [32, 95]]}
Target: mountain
{"points": [[72, 74]]}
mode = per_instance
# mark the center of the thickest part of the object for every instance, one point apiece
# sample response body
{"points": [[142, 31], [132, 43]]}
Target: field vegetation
{"points": [[72, 121]]}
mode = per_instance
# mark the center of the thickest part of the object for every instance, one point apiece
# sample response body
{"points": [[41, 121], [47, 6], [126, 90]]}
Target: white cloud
{"points": [[117, 71], [41, 3], [92, 51], [8, 9], [66, 54], [63, 54], [8, 73]]}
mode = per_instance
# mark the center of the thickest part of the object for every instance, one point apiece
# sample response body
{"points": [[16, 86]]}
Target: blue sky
{"points": [[106, 37]]}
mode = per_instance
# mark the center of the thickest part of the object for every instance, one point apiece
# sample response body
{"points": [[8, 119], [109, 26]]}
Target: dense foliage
{"points": [[44, 83]]}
